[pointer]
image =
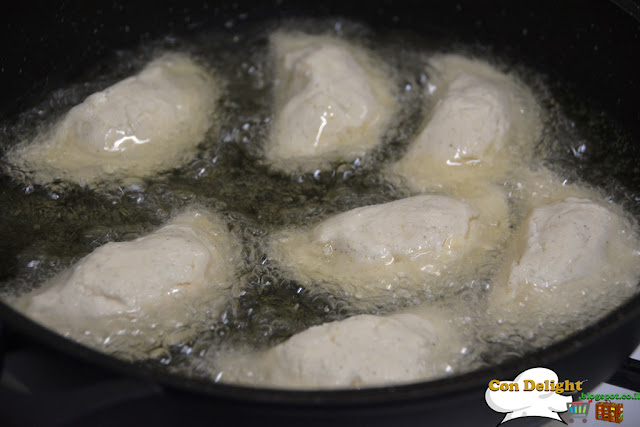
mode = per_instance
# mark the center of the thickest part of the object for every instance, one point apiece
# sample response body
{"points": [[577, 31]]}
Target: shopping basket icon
{"points": [[578, 410]]}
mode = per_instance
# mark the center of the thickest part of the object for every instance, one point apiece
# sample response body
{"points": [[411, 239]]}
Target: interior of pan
{"points": [[584, 50], [582, 45]]}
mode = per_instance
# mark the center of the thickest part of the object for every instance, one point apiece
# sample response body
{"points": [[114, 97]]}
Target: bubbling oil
{"points": [[47, 228]]}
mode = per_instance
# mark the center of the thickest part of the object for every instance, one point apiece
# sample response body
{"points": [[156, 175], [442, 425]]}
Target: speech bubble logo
{"points": [[520, 400]]}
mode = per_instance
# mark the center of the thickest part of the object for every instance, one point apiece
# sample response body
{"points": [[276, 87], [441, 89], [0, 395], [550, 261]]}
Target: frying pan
{"points": [[586, 50]]}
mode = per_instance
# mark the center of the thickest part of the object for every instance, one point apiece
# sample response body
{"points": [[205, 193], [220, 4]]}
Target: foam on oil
{"points": [[46, 229]]}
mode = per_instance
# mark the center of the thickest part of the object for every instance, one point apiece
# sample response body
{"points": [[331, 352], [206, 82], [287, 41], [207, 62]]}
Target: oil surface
{"points": [[45, 229]]}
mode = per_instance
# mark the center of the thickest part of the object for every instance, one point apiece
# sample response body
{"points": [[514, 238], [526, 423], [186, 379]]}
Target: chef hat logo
{"points": [[520, 403]]}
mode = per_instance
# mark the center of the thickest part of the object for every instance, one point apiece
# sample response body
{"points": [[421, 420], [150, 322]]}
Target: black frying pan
{"points": [[587, 52]]}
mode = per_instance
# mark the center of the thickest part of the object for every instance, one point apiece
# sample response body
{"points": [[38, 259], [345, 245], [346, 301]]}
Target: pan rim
{"points": [[437, 389]]}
